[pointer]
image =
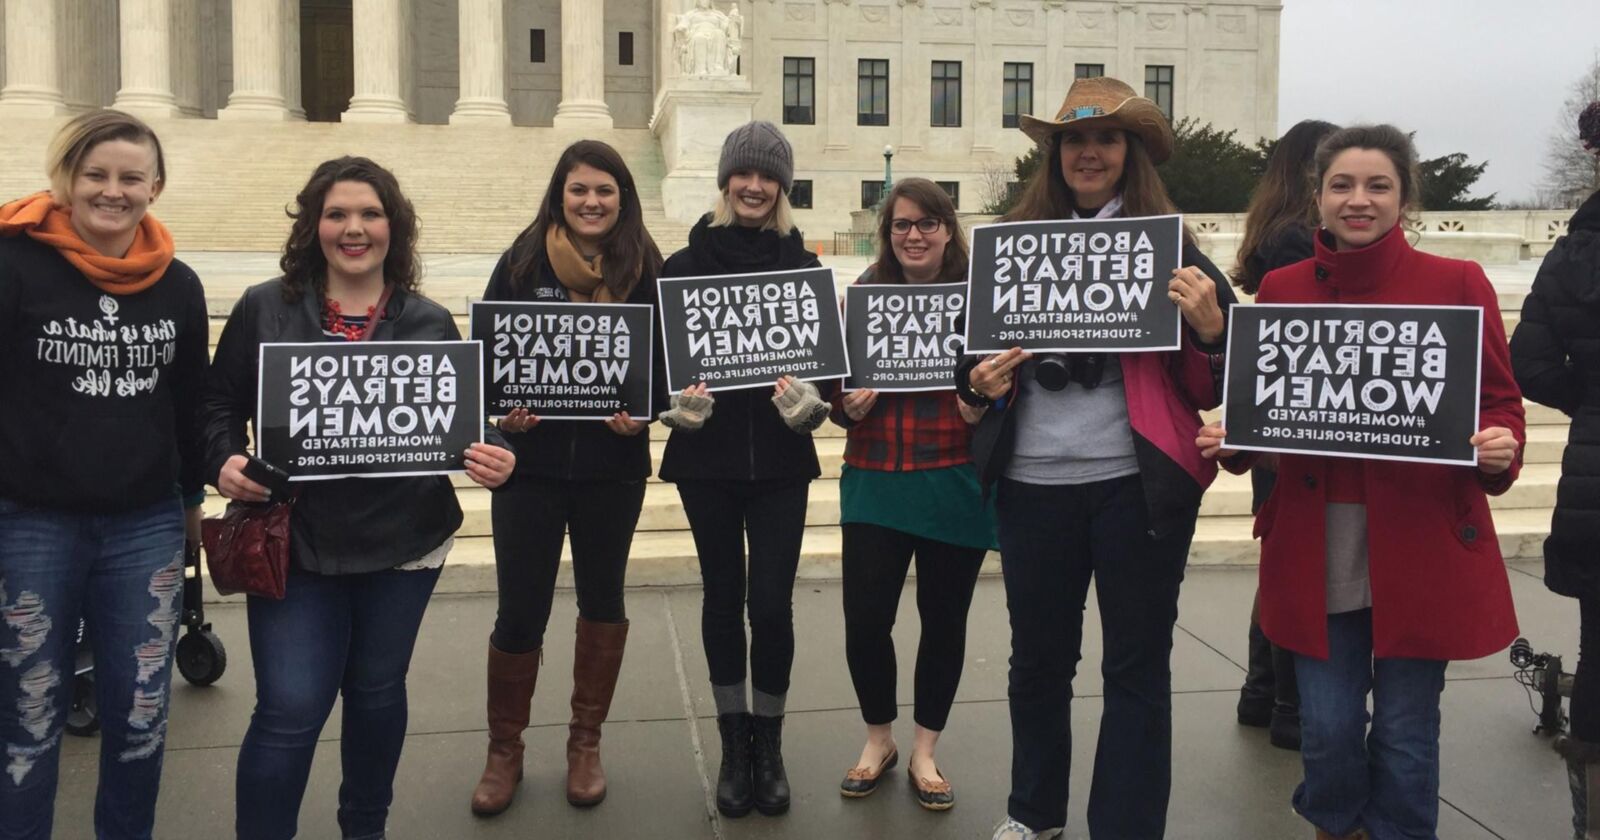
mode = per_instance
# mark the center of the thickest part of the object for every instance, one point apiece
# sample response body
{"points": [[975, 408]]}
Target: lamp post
{"points": [[888, 173]]}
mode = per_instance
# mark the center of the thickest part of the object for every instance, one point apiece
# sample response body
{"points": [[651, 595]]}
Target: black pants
{"points": [[1053, 539], [876, 560], [1585, 703], [773, 515], [531, 517]]}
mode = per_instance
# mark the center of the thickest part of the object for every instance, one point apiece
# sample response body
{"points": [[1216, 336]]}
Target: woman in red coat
{"points": [[1376, 573]]}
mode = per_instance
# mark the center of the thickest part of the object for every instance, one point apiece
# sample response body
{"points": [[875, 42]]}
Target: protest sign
{"points": [[369, 408], [903, 337], [746, 330], [565, 361], [1390, 382], [1076, 285]]}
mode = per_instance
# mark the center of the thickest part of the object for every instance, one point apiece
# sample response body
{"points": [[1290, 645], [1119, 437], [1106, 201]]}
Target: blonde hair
{"points": [[73, 142], [781, 219]]}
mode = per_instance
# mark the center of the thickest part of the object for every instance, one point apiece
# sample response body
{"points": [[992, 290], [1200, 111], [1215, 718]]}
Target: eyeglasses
{"points": [[927, 226]]}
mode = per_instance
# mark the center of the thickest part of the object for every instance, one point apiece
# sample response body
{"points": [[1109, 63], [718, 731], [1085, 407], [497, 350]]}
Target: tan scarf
{"points": [[144, 264], [580, 276]]}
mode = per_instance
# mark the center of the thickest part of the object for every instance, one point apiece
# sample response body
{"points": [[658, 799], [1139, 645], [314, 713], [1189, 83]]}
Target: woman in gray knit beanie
{"points": [[743, 472]]}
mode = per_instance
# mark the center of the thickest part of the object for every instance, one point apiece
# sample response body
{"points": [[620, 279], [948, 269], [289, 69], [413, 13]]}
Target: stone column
{"points": [[147, 53], [841, 99], [33, 76], [482, 40], [583, 66], [186, 50], [1127, 37], [1193, 101], [984, 110], [1268, 19], [261, 30], [382, 31]]}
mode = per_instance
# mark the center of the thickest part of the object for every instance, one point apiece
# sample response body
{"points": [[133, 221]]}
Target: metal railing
{"points": [[853, 244]]}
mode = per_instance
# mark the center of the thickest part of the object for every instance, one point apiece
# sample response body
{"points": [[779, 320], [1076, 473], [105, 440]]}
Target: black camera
{"points": [[1054, 370], [1541, 675]]}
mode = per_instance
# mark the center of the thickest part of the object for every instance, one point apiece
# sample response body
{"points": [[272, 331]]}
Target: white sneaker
{"points": [[1013, 830]]}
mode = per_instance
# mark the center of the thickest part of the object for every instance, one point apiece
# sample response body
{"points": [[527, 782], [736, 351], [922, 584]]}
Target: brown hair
{"points": [[73, 142], [1282, 200], [630, 256], [303, 264], [1047, 196], [934, 201], [1395, 144]]}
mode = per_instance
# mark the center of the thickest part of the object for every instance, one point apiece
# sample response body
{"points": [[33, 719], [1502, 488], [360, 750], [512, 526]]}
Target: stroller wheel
{"points": [[83, 718], [201, 657]]}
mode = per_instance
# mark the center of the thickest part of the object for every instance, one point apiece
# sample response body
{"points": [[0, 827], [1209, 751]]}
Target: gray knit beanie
{"points": [[760, 146]]}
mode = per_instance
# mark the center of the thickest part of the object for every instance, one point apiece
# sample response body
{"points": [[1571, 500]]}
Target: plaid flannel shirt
{"points": [[905, 432]]}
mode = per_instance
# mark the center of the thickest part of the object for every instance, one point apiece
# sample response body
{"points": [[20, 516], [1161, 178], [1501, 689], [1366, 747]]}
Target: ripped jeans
{"points": [[123, 573]]}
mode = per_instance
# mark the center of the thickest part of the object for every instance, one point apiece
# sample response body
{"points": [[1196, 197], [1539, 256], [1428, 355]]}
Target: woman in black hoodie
{"points": [[587, 244], [743, 464], [1555, 353]]}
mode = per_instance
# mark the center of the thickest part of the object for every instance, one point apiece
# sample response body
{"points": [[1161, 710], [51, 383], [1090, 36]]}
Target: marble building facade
{"points": [[937, 82]]}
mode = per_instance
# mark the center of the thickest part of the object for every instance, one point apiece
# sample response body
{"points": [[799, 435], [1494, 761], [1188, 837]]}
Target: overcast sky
{"points": [[1485, 77]]}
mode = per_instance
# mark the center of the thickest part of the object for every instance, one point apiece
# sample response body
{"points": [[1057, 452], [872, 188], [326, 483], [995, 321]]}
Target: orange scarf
{"points": [[38, 216]]}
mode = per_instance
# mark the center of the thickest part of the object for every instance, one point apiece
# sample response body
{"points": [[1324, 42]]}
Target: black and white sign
{"points": [[565, 361], [746, 330], [1074, 285], [1397, 383], [369, 408], [903, 337]]}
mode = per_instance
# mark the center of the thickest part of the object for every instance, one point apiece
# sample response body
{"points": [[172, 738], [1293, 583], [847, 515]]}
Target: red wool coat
{"points": [[1439, 586]]}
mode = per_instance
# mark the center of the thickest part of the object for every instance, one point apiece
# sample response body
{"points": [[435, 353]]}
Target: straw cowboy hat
{"points": [[1104, 102]]}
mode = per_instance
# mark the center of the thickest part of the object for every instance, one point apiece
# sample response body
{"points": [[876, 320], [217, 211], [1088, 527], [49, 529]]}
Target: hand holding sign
{"points": [[489, 465], [992, 376], [623, 424], [1196, 297], [1210, 442], [233, 484], [1497, 448], [518, 421], [858, 404]]}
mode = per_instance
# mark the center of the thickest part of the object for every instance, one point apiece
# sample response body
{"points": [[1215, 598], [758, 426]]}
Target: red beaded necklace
{"points": [[334, 322]]}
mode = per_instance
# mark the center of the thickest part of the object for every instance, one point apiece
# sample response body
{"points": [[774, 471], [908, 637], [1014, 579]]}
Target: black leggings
{"points": [[876, 560], [1585, 692], [531, 516], [773, 515]]}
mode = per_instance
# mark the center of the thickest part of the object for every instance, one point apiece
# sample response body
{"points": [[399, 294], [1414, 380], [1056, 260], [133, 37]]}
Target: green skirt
{"points": [[944, 504]]}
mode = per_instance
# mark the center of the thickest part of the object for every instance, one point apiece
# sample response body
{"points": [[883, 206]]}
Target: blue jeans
{"points": [[1053, 540], [1385, 779], [330, 634], [123, 573]]}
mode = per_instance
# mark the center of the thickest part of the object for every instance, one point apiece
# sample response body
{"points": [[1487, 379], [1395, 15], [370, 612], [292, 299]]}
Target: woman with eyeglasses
{"points": [[909, 490]]}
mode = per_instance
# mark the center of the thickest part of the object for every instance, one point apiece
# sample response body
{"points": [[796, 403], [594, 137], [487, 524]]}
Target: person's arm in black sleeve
{"points": [[228, 402], [1540, 357], [188, 390]]}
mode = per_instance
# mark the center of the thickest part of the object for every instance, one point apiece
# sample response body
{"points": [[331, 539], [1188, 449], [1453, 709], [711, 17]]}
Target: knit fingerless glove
{"points": [[801, 407], [688, 413]]}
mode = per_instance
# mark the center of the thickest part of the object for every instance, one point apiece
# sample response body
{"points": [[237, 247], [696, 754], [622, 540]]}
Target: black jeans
{"points": [[876, 560], [531, 517], [1053, 539], [1585, 703], [773, 515]]}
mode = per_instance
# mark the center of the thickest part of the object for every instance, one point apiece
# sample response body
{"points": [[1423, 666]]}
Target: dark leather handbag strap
{"points": [[377, 313]]}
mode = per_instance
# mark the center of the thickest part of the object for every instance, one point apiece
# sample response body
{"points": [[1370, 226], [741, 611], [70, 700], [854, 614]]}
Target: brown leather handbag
{"points": [[247, 547]]}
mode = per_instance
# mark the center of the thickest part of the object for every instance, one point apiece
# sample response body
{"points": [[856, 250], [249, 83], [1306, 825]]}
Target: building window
{"points": [[1016, 93], [946, 94], [1158, 86], [799, 91], [536, 46], [872, 91], [952, 189], [800, 195], [625, 49], [871, 193], [1088, 71]]}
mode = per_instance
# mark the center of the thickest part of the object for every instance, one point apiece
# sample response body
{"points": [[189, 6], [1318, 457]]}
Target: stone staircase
{"points": [[663, 550], [228, 184]]}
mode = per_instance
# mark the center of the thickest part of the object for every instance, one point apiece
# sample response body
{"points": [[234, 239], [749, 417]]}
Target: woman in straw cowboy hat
{"points": [[1096, 476]]}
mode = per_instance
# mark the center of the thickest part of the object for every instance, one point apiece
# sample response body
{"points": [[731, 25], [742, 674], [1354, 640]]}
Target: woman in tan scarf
{"points": [[587, 244]]}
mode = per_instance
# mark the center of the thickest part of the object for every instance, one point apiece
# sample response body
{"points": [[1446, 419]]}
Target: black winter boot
{"points": [[1256, 697], [1583, 779], [734, 790], [771, 782], [1284, 731]]}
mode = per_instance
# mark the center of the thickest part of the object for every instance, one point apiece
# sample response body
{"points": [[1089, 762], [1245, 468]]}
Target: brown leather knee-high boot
{"points": [[512, 677], [596, 660]]}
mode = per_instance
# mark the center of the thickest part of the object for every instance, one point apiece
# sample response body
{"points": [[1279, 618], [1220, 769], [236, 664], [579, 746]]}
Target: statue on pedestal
{"points": [[707, 41]]}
